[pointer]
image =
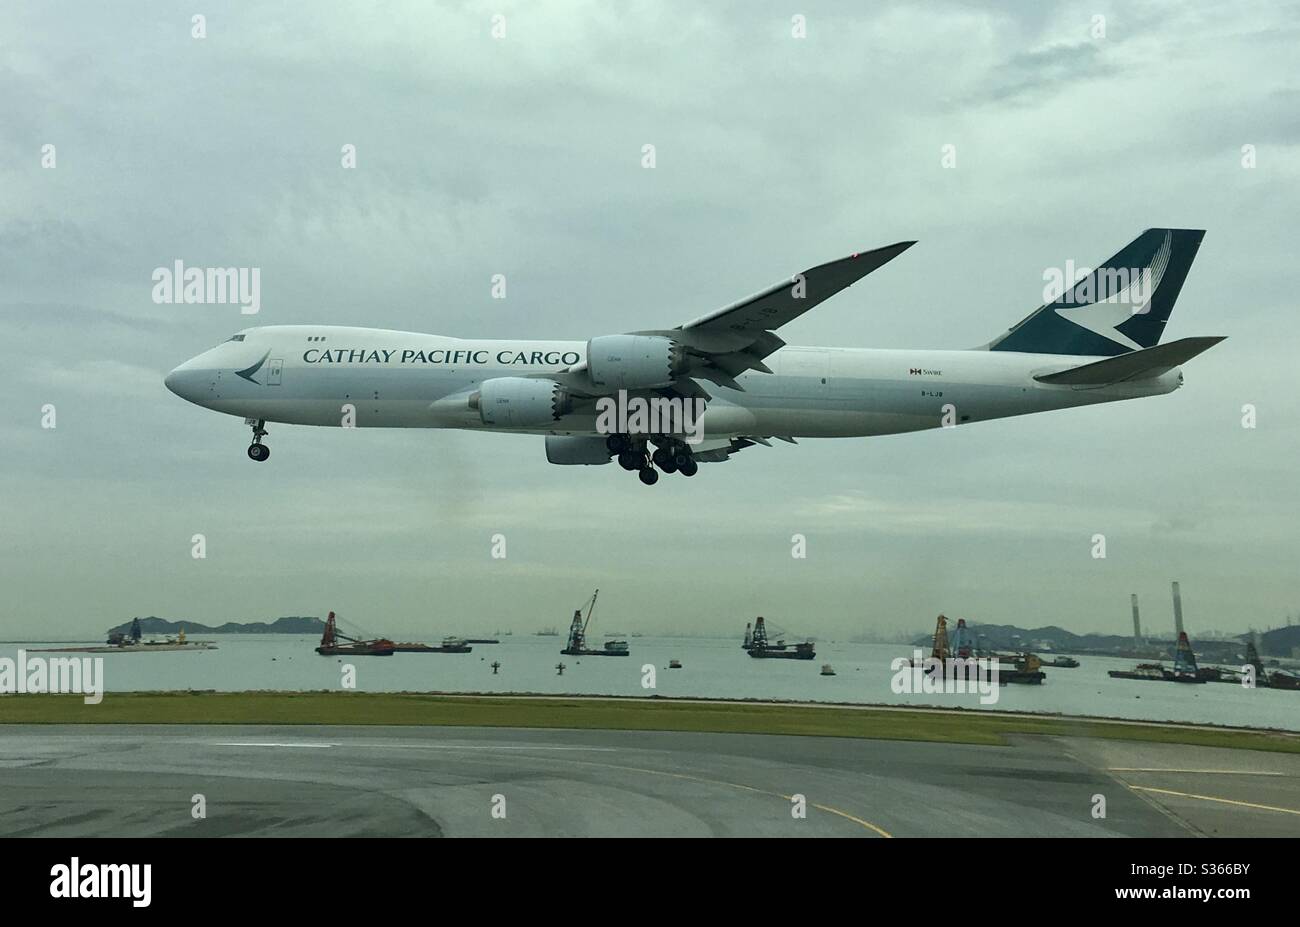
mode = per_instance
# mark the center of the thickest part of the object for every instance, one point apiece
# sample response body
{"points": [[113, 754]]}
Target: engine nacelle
{"points": [[520, 402], [634, 361], [577, 449]]}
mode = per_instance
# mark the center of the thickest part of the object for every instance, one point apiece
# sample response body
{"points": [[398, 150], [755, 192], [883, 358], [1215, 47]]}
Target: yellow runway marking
{"points": [[1225, 801], [737, 785]]}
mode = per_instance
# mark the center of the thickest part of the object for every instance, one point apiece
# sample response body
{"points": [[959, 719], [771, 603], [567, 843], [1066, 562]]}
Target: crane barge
{"points": [[577, 643], [335, 643]]}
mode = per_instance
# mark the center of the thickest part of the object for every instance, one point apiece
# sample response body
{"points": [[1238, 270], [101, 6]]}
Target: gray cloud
{"points": [[521, 157]]}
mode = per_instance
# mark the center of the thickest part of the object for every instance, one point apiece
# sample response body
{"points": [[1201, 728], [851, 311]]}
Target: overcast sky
{"points": [[522, 156]]}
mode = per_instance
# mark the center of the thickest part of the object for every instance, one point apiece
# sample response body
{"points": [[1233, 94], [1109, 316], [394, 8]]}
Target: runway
{"points": [[152, 780]]}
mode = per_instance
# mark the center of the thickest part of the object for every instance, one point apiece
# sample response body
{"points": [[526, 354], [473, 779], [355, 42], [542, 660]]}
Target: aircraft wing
{"points": [[783, 302], [1136, 365], [719, 449], [726, 343]]}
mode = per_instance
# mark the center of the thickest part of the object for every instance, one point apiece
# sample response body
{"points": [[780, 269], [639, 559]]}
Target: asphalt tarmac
{"points": [[154, 780]]}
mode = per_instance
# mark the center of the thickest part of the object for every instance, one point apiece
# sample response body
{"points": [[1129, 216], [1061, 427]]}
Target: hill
{"points": [[289, 625]]}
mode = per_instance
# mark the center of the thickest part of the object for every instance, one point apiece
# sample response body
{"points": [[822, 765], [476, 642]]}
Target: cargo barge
{"points": [[449, 645]]}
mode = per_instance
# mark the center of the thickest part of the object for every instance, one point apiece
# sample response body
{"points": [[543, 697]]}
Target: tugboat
{"points": [[1063, 662], [1149, 671], [330, 645], [1025, 670], [577, 643], [762, 650], [616, 647]]}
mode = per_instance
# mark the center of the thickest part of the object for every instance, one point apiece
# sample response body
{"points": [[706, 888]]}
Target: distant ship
{"points": [[449, 645], [131, 643], [548, 632], [121, 643], [1022, 669], [1184, 670]]}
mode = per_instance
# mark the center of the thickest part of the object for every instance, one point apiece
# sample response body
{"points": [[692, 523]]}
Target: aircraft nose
{"points": [[185, 381]]}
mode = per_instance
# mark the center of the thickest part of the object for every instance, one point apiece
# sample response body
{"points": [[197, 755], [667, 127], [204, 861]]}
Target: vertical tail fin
{"points": [[1121, 306]]}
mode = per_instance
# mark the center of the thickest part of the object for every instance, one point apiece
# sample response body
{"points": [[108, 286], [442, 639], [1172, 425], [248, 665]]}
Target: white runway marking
{"points": [[394, 746], [308, 746], [1215, 798], [500, 747], [1208, 772]]}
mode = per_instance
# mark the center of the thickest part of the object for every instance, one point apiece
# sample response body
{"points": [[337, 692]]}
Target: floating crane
{"points": [[761, 649], [330, 645], [577, 644]]}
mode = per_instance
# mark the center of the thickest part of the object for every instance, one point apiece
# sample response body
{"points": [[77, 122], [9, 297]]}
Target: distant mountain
{"points": [[295, 625], [1280, 642]]}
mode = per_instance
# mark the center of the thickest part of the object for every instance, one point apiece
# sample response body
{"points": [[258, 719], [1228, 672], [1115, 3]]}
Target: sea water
{"points": [[711, 668]]}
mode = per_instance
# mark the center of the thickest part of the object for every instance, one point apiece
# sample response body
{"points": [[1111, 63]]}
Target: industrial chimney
{"points": [[1137, 625], [1178, 611]]}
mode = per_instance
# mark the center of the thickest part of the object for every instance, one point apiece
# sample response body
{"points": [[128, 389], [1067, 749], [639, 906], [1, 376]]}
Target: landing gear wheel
{"points": [[689, 469], [257, 450], [681, 459], [649, 476], [617, 443], [631, 460], [664, 460]]}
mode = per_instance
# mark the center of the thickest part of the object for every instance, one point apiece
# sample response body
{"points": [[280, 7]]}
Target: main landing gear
{"points": [[671, 456], [257, 450]]}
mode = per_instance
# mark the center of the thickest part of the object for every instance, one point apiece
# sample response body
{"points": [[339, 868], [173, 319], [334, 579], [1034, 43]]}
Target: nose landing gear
{"points": [[257, 450]]}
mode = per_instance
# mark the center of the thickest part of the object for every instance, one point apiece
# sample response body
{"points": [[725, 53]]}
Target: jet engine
{"points": [[520, 402], [634, 361], [577, 449]]}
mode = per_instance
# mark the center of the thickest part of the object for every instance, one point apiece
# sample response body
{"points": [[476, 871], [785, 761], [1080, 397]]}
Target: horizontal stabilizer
{"points": [[1136, 365]]}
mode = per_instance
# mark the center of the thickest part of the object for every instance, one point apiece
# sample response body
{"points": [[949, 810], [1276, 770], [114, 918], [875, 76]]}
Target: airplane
{"points": [[1097, 341]]}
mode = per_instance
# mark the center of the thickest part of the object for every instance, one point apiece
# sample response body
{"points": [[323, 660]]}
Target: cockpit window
{"points": [[236, 337]]}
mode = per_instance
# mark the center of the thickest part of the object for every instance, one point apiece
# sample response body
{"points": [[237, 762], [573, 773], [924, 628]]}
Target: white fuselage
{"points": [[315, 374]]}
